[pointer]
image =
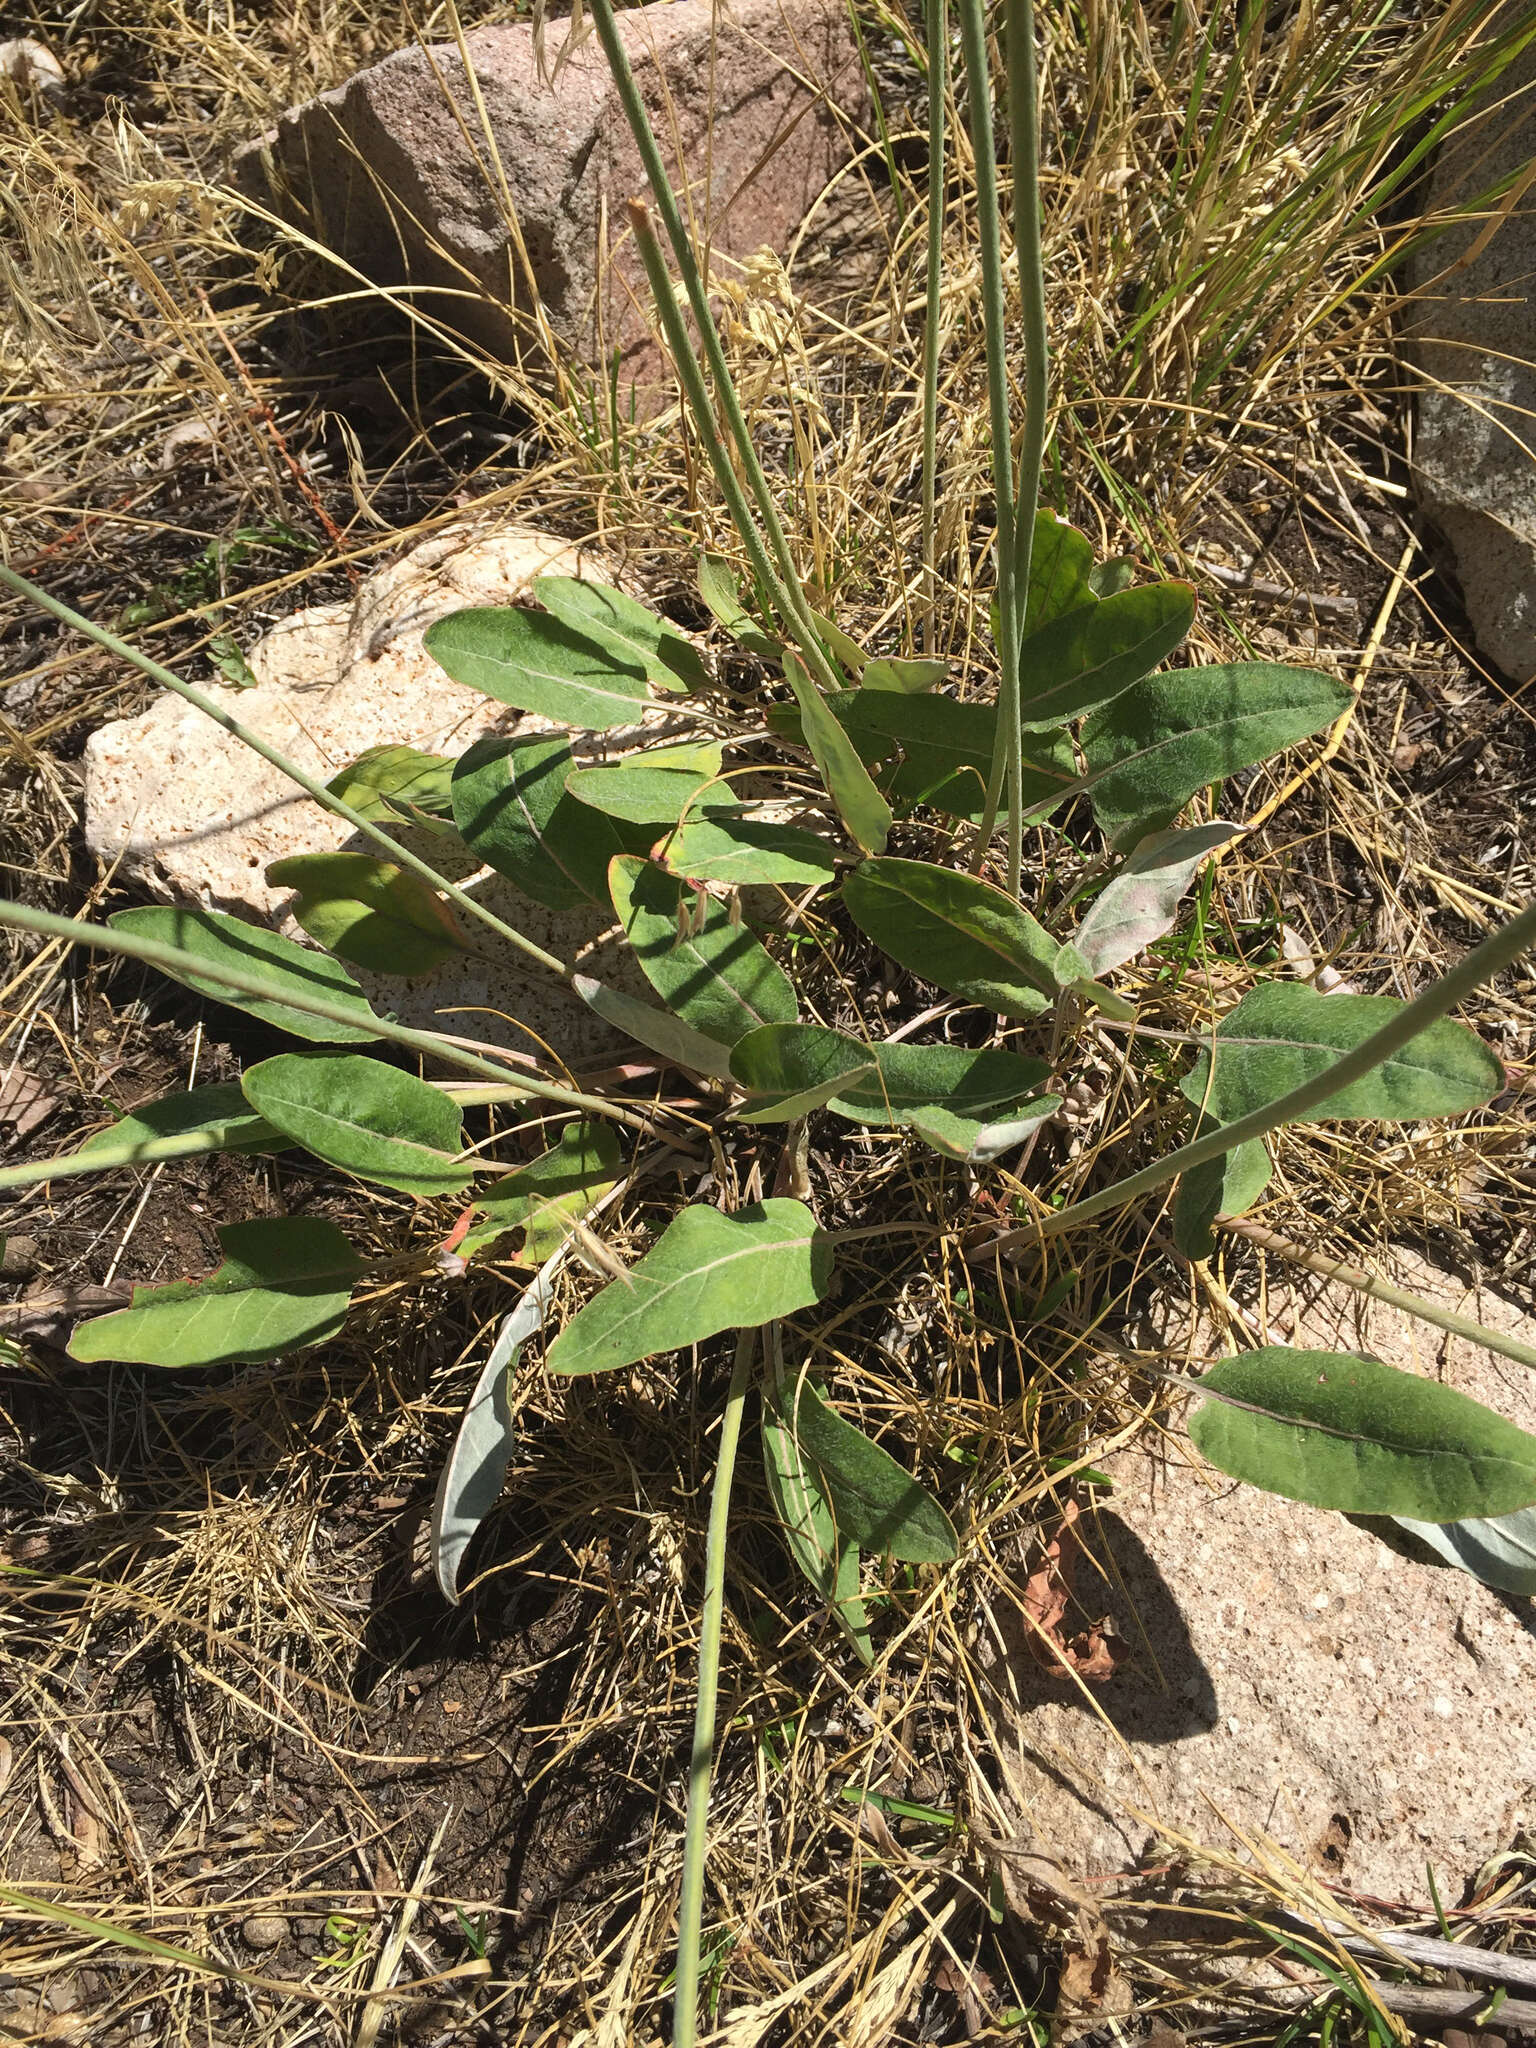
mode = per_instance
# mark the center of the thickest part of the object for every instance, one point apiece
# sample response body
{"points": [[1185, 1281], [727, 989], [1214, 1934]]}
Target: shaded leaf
{"points": [[548, 1197], [863, 810], [790, 1069], [1141, 901], [1500, 1550], [534, 662], [285, 1282], [288, 969], [1353, 1434], [1284, 1033], [218, 1112], [741, 852], [649, 796], [1060, 572], [708, 1272], [810, 1530], [635, 633], [658, 1030], [712, 972], [512, 803], [1225, 1186], [848, 654], [398, 784], [369, 911], [875, 1502], [1153, 748], [1090, 655], [1118, 573], [365, 1117], [886, 1084], [973, 1140], [956, 931], [475, 1471], [722, 595]]}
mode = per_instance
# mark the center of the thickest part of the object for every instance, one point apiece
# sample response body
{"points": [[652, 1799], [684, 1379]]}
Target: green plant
{"points": [[1085, 724]]}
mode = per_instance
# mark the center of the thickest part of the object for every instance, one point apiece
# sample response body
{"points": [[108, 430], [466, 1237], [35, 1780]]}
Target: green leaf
{"points": [[1060, 572], [666, 657], [1141, 901], [648, 796], [810, 1530], [1352, 1434], [225, 657], [1226, 1186], [863, 810], [790, 1069], [875, 1502], [944, 751], [399, 784], [741, 852], [548, 1197], [708, 1272], [369, 911], [475, 1471], [975, 1141], [512, 803], [1151, 750], [535, 663], [365, 1117], [285, 1282], [658, 1030], [1500, 1550], [956, 931], [712, 972], [903, 675], [846, 653], [289, 969], [885, 1084], [218, 1112], [1283, 1033], [1107, 579], [1089, 656], [722, 595]]}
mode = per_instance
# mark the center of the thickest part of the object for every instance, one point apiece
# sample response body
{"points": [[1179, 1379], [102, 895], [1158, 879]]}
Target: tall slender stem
{"points": [[401, 855], [1024, 128], [938, 83], [690, 1904], [1498, 951], [978, 88]]}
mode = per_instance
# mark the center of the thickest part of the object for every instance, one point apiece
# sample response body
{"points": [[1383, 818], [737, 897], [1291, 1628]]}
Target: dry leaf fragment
{"points": [[25, 1102], [1093, 1653]]}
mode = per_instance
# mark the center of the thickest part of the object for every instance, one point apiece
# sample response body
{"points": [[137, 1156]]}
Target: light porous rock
{"points": [[181, 809], [416, 173], [1358, 1712], [1474, 341]]}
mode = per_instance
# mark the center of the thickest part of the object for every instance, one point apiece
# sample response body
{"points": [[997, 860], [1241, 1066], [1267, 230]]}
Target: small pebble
{"points": [[264, 1930]]}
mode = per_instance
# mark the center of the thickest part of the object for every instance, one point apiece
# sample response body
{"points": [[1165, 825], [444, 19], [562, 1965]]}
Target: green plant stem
{"points": [[789, 597], [402, 855], [1498, 951], [1361, 1282], [171, 960], [690, 1903], [1008, 747], [938, 82], [1024, 126]]}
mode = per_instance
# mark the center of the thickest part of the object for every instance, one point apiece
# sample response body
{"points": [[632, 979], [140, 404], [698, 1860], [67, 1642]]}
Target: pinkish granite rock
{"points": [[504, 194]]}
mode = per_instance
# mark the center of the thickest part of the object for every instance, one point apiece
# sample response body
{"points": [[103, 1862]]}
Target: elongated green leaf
{"points": [[222, 940], [904, 675], [218, 1112], [285, 1282], [875, 1502], [1089, 656], [512, 803], [829, 1562], [790, 1069], [1141, 902], [712, 972], [885, 1084], [1500, 1550], [535, 663], [1284, 1033], [956, 931], [1107, 579], [658, 1030], [649, 796], [1060, 572], [1353, 1434], [668, 659], [741, 852], [707, 1273], [1228, 1186], [1151, 749], [722, 595], [399, 783], [369, 1119], [548, 1197], [369, 911], [974, 1140], [475, 1471], [863, 810], [848, 654]]}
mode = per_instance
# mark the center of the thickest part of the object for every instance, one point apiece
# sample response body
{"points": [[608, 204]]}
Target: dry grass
{"points": [[228, 1691]]}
